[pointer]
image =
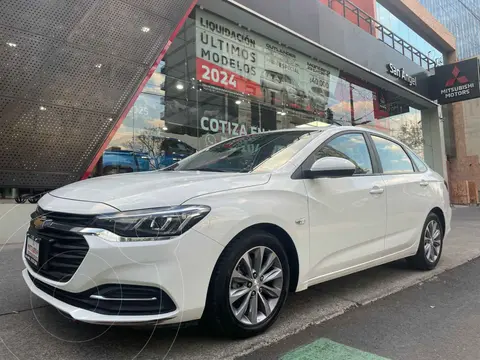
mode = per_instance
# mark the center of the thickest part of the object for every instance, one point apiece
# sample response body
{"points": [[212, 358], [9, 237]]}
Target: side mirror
{"points": [[331, 167]]}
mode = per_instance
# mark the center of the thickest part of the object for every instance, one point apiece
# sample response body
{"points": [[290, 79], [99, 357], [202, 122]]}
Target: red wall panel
{"points": [[368, 6]]}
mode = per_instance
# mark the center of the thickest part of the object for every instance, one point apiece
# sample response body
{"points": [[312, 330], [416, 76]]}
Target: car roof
{"points": [[368, 130], [303, 129], [337, 128]]}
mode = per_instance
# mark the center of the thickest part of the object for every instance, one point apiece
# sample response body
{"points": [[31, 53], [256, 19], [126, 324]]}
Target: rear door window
{"points": [[393, 158]]}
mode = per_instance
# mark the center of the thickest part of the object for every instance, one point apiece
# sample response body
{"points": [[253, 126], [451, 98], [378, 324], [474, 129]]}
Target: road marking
{"points": [[325, 349]]}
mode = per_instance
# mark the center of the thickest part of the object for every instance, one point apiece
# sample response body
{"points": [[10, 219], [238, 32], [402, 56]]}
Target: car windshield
{"points": [[259, 152]]}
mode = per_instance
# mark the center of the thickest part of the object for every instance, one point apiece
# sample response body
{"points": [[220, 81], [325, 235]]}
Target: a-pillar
{"points": [[434, 141]]}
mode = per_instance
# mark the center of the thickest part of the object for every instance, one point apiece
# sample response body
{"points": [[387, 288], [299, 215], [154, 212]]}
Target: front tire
{"points": [[431, 245], [249, 285]]}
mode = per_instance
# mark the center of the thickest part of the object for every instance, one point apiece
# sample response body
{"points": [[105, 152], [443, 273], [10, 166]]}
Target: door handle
{"points": [[377, 190], [423, 183]]}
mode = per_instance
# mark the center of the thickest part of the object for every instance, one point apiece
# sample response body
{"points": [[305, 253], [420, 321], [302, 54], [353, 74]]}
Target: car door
{"points": [[408, 195], [347, 215]]}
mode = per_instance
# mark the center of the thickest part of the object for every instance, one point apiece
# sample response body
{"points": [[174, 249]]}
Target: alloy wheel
{"points": [[256, 285], [432, 241]]}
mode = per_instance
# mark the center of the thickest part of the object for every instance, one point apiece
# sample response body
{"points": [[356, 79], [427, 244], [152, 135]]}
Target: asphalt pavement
{"points": [[438, 319], [30, 329]]}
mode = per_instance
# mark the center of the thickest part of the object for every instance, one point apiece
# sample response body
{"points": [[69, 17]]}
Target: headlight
{"points": [[150, 224]]}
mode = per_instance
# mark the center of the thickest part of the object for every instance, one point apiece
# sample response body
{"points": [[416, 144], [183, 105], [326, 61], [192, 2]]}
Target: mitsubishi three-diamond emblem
{"points": [[460, 79]]}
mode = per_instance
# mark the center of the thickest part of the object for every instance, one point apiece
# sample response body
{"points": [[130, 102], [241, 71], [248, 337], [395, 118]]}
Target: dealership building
{"points": [[91, 88]]}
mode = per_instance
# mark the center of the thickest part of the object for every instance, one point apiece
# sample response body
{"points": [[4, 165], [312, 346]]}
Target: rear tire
{"points": [[115, 170], [242, 302], [33, 199], [431, 245], [111, 171]]}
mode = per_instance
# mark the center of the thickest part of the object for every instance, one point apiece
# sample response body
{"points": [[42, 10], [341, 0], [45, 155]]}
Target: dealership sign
{"points": [[236, 60], [400, 73], [456, 82]]}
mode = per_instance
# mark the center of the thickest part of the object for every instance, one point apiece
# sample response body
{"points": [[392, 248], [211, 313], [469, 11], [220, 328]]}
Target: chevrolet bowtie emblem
{"points": [[41, 222]]}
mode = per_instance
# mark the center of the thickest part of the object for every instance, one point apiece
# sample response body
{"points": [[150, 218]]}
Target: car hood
{"points": [[155, 188]]}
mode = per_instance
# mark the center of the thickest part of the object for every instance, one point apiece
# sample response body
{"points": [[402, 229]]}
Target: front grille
{"points": [[65, 218], [61, 251], [161, 305]]}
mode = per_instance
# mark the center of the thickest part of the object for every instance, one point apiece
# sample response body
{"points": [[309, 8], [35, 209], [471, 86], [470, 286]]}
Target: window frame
{"points": [[417, 170], [403, 147], [308, 162]]}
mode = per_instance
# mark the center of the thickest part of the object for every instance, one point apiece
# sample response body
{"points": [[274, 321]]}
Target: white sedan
{"points": [[226, 233]]}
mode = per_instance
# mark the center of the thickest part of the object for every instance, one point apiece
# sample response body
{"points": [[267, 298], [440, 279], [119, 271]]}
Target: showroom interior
{"points": [[188, 101]]}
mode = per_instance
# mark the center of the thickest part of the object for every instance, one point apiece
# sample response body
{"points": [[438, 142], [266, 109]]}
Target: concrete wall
{"points": [[433, 141]]}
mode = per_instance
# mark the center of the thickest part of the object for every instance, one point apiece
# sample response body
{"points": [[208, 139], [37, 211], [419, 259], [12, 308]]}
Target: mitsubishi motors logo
{"points": [[456, 78], [456, 82]]}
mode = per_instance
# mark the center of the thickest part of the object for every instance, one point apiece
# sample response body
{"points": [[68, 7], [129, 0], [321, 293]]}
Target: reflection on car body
{"points": [[162, 152]]}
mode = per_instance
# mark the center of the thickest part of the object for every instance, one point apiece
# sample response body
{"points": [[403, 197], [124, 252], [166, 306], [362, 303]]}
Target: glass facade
{"points": [[387, 19], [408, 129], [219, 80], [462, 19]]}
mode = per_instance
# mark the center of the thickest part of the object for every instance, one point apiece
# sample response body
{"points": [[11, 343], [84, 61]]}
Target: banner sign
{"points": [[237, 60], [456, 82]]}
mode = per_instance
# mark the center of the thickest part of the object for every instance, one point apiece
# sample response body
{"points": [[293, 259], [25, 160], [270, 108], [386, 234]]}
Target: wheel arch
{"points": [[288, 244], [211, 316], [439, 212]]}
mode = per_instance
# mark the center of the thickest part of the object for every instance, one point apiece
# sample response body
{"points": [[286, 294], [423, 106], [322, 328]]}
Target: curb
{"points": [[430, 275]]}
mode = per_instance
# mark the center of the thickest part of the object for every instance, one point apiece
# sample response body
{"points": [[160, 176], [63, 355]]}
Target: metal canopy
{"points": [[68, 69]]}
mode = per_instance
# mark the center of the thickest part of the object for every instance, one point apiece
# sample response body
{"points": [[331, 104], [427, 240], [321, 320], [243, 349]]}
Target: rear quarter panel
{"points": [[441, 197]]}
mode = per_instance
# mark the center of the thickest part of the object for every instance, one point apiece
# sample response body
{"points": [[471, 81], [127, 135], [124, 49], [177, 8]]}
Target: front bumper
{"points": [[87, 316], [181, 268]]}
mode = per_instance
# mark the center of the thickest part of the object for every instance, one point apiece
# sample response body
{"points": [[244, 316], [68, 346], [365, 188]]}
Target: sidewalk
{"points": [[14, 220], [434, 320]]}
